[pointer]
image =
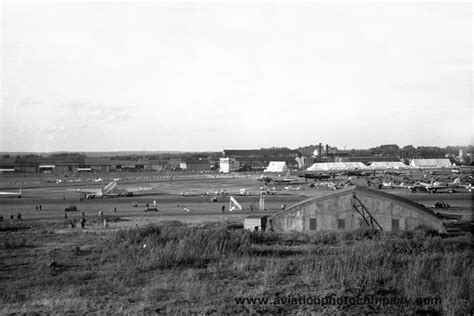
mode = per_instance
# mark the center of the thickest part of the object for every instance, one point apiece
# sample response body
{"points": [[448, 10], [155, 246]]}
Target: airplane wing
{"points": [[86, 191], [128, 191]]}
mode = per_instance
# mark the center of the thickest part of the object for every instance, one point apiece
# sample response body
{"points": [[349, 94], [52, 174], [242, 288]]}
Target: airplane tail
{"points": [[457, 181], [234, 204], [109, 188]]}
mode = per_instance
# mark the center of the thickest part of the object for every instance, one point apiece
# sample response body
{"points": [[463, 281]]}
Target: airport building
{"points": [[256, 222], [353, 208], [194, 164], [227, 165], [96, 164], [258, 159]]}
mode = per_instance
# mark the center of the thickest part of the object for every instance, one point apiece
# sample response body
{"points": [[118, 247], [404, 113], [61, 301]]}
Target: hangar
{"points": [[353, 208]]}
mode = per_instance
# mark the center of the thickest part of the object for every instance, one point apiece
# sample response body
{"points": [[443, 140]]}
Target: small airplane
{"points": [[357, 173], [450, 186], [419, 186], [436, 186], [279, 180], [393, 173], [289, 187], [6, 194], [110, 190], [315, 176], [326, 185]]}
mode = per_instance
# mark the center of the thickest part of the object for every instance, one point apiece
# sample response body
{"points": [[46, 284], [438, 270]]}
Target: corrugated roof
{"points": [[361, 189]]}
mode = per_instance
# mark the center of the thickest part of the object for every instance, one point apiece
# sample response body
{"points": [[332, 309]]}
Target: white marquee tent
{"points": [[276, 166], [334, 166], [388, 165], [431, 163]]}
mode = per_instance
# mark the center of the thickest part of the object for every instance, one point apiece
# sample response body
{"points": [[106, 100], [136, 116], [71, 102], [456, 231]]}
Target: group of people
{"points": [[38, 207], [18, 217], [82, 221]]}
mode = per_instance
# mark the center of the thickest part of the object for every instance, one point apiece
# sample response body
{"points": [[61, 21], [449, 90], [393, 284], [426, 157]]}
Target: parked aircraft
{"points": [[435, 186], [450, 186], [110, 190], [11, 194], [329, 185], [288, 179], [419, 186], [356, 173], [315, 176], [393, 173]]}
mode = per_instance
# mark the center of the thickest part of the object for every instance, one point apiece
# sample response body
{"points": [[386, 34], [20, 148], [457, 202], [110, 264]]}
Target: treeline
{"points": [[408, 151]]}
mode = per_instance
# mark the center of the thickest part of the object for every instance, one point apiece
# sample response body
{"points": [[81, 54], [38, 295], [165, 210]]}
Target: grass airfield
{"points": [[200, 261]]}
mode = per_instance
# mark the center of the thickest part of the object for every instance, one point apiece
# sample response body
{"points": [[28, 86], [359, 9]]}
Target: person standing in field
{"points": [[83, 223]]}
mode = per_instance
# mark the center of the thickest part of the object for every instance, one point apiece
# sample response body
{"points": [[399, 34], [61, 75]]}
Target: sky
{"points": [[208, 76]]}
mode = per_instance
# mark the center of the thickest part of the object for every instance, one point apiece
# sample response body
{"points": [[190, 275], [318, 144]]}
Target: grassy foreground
{"points": [[220, 268]]}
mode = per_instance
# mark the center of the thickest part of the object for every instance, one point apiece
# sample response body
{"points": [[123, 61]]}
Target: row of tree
{"points": [[408, 151]]}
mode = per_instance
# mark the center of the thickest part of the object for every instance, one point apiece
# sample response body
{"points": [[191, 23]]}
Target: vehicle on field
{"points": [[71, 208]]}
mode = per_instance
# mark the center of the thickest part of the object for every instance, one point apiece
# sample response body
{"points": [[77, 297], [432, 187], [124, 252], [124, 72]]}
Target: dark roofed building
{"points": [[258, 159], [194, 164], [101, 164], [158, 165], [128, 165]]}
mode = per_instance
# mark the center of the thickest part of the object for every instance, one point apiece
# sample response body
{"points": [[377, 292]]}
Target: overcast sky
{"points": [[211, 76]]}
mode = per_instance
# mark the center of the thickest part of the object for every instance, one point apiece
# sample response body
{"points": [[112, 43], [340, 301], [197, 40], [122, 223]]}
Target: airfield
{"points": [[191, 198]]}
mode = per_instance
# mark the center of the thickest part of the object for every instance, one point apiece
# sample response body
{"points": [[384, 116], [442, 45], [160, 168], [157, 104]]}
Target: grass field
{"points": [[171, 267]]}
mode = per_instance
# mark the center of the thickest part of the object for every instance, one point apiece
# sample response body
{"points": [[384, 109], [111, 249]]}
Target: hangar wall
{"points": [[335, 212]]}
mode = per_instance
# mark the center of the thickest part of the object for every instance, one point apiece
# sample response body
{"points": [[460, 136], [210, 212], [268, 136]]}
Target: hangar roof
{"points": [[364, 190]]}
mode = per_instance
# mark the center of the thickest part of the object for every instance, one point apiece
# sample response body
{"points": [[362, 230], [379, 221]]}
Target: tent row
{"points": [[414, 163], [280, 166], [388, 165], [334, 166]]}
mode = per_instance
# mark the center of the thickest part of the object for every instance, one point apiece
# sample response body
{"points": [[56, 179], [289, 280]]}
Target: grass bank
{"points": [[220, 268]]}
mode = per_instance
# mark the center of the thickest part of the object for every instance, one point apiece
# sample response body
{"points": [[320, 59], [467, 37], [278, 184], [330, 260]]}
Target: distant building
{"points": [[98, 164], [158, 165], [128, 165], [256, 222], [227, 165], [46, 168], [193, 164], [8, 165], [258, 159], [175, 163]]}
